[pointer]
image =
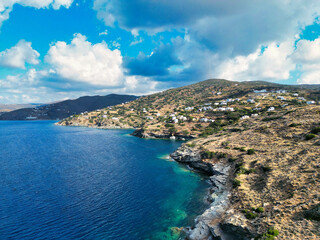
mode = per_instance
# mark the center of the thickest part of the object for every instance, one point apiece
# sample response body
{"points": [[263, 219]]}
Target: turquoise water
{"points": [[79, 183]]}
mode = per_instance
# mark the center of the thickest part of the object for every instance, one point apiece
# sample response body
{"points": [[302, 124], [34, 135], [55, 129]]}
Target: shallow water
{"points": [[79, 183]]}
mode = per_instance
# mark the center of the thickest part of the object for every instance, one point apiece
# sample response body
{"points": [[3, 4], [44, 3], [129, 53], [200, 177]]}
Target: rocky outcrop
{"points": [[212, 223], [192, 158]]}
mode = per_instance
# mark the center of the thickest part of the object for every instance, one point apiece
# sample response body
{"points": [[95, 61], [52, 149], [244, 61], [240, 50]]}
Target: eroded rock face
{"points": [[192, 158], [207, 225]]}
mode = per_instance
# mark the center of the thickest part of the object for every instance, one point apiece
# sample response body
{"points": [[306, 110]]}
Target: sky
{"points": [[52, 50]]}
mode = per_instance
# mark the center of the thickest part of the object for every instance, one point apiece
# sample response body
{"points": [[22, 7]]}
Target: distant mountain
{"points": [[12, 107], [66, 108]]}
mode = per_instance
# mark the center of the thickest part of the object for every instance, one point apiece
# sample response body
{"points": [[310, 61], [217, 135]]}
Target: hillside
{"points": [[12, 107], [66, 108], [196, 110], [258, 142], [266, 175]]}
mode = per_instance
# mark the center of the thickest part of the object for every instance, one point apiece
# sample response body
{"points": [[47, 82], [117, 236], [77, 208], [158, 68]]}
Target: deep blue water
{"points": [[79, 183]]}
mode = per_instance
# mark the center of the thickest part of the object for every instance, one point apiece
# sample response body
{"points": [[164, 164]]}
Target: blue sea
{"points": [[80, 183]]}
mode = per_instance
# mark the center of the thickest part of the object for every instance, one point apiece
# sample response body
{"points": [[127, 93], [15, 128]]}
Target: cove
{"points": [[80, 183]]}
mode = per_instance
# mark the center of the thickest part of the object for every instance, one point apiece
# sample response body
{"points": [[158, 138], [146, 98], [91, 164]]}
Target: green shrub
{"points": [[251, 215], [259, 210], [293, 125], [236, 183], [310, 136], [266, 168], [185, 132], [221, 155], [273, 231], [251, 151], [269, 235], [242, 149], [232, 159], [191, 145], [315, 130]]}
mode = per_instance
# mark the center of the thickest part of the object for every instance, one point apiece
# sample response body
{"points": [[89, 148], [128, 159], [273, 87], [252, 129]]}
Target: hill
{"points": [[66, 108], [187, 112], [12, 107], [258, 142]]}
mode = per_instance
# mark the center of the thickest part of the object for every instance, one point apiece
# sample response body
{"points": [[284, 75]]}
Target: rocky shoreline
{"points": [[215, 222]]}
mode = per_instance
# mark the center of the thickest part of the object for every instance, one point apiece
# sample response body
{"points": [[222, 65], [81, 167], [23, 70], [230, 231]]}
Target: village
{"points": [[197, 117]]}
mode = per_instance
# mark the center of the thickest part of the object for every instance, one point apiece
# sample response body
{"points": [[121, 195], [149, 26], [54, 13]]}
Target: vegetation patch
{"points": [[269, 235], [251, 151], [315, 130], [249, 215], [310, 136], [236, 183]]}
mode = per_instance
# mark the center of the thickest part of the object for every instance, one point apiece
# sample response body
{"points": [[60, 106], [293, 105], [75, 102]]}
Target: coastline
{"points": [[206, 225]]}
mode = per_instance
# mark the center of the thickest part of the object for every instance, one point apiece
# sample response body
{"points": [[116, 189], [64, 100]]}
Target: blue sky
{"points": [[58, 49]]}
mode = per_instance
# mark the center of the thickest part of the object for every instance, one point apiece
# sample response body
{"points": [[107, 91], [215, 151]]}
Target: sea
{"points": [[83, 183]]}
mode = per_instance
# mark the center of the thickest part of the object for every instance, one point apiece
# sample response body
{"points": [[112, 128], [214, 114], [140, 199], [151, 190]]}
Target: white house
{"points": [[281, 98], [244, 117], [271, 109], [311, 102], [203, 120]]}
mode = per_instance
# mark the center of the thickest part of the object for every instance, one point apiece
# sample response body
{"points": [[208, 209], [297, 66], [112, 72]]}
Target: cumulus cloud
{"points": [[222, 26], [7, 5], [82, 61], [240, 40], [14, 82], [307, 57], [270, 63], [19, 55]]}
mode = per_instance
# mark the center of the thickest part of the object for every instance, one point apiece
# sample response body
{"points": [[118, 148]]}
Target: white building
{"points": [[271, 109], [189, 108], [244, 117], [203, 120], [281, 98]]}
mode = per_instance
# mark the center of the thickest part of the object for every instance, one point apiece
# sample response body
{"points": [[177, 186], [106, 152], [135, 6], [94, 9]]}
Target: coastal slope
{"points": [[257, 141]]}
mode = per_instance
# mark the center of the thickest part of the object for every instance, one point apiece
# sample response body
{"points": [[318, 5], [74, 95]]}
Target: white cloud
{"points": [[13, 82], [105, 32], [273, 63], [224, 38], [6, 6], [81, 61], [19, 55], [222, 26], [307, 57]]}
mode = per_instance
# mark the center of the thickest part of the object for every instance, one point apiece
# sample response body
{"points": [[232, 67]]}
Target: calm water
{"points": [[79, 183]]}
